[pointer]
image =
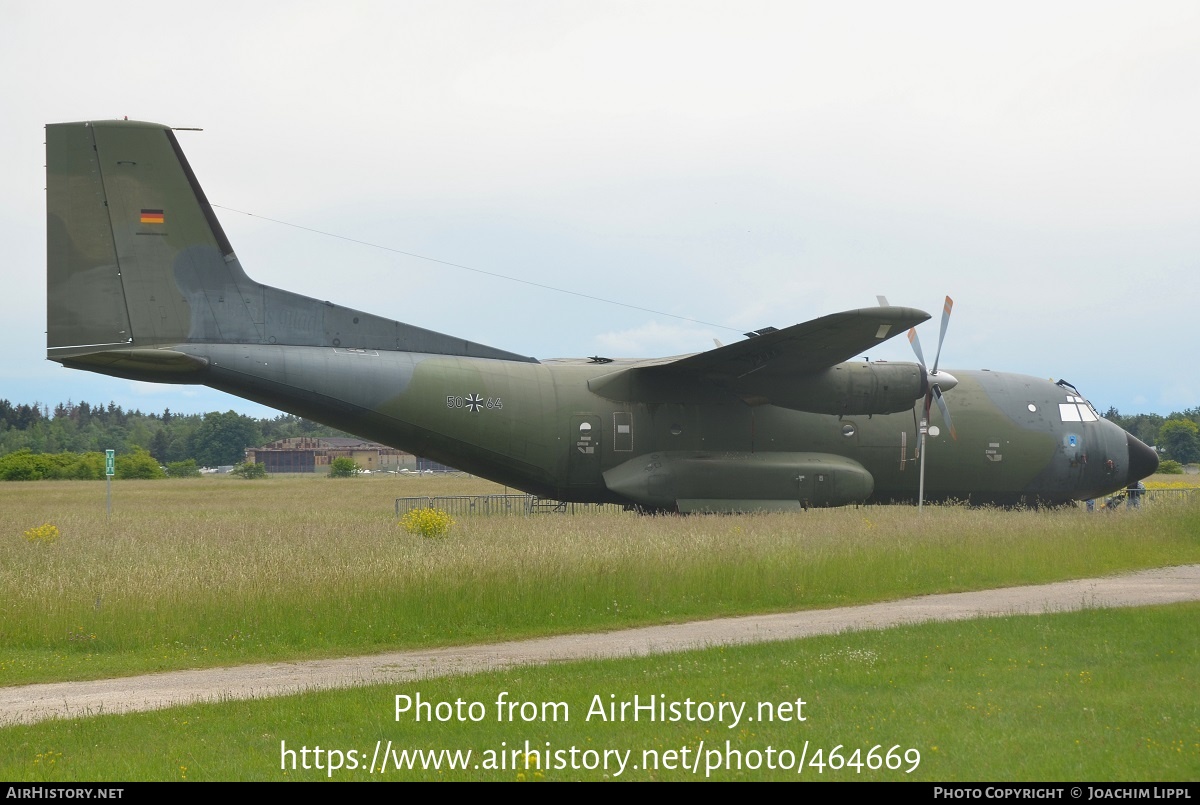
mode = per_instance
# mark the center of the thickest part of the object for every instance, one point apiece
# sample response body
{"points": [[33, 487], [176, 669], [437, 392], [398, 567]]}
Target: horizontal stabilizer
{"points": [[151, 365]]}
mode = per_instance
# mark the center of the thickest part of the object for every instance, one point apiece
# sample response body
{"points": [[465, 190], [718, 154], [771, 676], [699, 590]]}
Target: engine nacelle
{"points": [[852, 388], [849, 389]]}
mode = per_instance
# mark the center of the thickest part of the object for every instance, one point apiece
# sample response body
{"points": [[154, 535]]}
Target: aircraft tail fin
{"points": [[137, 260], [122, 209]]}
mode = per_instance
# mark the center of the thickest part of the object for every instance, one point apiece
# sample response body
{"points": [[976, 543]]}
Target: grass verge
{"points": [[1087, 696]]}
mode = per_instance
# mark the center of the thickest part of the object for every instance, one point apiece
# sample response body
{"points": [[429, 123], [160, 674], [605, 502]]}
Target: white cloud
{"points": [[656, 340]]}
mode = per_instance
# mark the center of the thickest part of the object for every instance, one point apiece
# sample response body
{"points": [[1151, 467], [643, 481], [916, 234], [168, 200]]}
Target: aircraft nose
{"points": [[1143, 459]]}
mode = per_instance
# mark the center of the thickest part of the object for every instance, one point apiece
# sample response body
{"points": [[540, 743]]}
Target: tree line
{"points": [[1177, 437], [210, 440]]}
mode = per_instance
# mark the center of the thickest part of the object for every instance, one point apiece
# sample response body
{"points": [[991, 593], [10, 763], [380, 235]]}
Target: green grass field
{"points": [[217, 571], [211, 571], [1085, 696]]}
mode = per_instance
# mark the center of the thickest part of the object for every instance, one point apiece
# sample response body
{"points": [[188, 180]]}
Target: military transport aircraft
{"points": [[143, 284]]}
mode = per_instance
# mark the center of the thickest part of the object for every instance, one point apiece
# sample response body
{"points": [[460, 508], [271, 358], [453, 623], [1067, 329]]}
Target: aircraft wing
{"points": [[802, 348], [801, 367]]}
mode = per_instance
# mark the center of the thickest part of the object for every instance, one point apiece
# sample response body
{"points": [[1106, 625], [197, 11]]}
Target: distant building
{"points": [[314, 454]]}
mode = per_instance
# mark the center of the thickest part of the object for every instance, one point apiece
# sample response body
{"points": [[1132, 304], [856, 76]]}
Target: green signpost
{"points": [[109, 471]]}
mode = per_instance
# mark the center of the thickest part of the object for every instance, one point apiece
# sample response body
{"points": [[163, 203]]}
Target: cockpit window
{"points": [[1077, 409]]}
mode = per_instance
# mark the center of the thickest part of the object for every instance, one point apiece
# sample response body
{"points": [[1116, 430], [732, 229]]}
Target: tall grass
{"points": [[217, 571]]}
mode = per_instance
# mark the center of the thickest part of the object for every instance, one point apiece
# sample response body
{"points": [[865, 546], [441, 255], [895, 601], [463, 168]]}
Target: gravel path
{"points": [[32, 703]]}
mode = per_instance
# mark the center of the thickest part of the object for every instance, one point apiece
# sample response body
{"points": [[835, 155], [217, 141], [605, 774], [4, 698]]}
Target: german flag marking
{"points": [[153, 217]]}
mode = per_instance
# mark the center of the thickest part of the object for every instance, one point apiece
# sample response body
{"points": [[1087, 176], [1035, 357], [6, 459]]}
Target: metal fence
{"points": [[463, 505], [524, 505], [1132, 499]]}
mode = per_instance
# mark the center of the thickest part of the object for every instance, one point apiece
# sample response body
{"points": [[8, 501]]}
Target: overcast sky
{"points": [[734, 165]]}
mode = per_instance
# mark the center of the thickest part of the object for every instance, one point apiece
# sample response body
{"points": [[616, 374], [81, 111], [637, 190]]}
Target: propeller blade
{"points": [[916, 345], [946, 308], [933, 392], [945, 409]]}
